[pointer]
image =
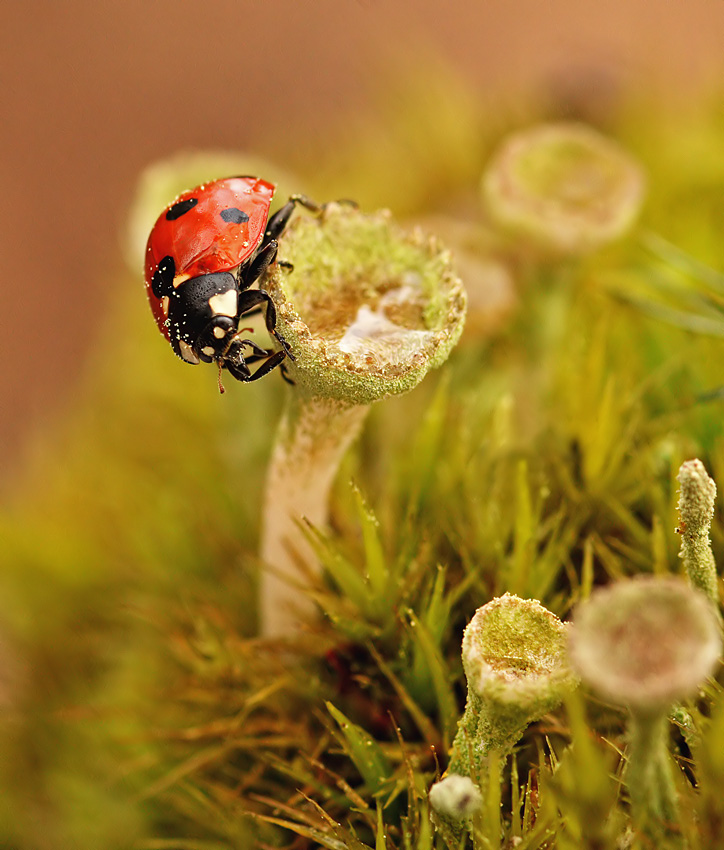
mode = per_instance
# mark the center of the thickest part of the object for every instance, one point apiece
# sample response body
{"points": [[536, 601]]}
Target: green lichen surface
{"points": [[523, 638]]}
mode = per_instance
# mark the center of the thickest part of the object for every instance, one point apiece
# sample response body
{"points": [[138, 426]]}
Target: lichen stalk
{"points": [[313, 436], [649, 774], [696, 512]]}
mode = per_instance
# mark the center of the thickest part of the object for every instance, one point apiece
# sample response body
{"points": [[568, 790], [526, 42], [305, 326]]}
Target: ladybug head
{"points": [[202, 317], [217, 340]]}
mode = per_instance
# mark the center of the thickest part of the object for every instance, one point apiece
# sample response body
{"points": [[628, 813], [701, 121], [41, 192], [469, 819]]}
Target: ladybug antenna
{"points": [[221, 385]]}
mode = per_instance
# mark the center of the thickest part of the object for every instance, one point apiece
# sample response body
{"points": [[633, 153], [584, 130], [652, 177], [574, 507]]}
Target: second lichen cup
{"points": [[367, 310], [516, 666], [563, 188]]}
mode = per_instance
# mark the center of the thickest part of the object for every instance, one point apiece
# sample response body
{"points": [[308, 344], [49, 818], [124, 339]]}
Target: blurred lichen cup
{"points": [[368, 310], [515, 662], [563, 189], [646, 644]]}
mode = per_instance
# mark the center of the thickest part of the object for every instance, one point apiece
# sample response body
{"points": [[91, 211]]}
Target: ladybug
{"points": [[205, 252]]}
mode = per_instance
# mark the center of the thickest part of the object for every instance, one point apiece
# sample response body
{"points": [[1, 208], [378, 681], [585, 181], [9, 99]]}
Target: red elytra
{"points": [[217, 233]]}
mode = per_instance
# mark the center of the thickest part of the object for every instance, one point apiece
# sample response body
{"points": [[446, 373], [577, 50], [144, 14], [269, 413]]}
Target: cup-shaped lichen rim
{"points": [[646, 642], [599, 195], [321, 368], [527, 694], [537, 668]]}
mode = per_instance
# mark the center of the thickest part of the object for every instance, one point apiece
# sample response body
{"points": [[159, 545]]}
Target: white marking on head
{"points": [[224, 304], [164, 305], [208, 350], [188, 354], [180, 278], [219, 333]]}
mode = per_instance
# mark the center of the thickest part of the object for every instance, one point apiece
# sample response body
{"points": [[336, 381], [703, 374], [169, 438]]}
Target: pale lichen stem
{"points": [[313, 436]]}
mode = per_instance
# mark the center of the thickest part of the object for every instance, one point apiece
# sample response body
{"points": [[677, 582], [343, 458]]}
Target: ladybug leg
{"points": [[257, 351], [249, 299], [239, 370], [267, 252], [271, 325], [249, 274], [255, 311], [271, 363], [278, 222], [242, 373]]}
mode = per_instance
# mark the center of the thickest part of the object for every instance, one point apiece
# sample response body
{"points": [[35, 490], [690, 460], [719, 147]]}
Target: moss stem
{"points": [[313, 435]]}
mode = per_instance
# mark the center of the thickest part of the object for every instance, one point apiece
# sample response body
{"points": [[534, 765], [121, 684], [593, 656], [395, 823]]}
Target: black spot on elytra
{"points": [[234, 215], [162, 280], [180, 208]]}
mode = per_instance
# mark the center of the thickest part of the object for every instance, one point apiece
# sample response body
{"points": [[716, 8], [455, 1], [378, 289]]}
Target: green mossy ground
{"points": [[139, 711]]}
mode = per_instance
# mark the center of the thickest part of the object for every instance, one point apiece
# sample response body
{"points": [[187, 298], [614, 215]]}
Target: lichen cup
{"points": [[515, 661], [563, 188], [367, 309]]}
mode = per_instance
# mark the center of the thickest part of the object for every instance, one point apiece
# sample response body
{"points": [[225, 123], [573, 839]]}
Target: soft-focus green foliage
{"points": [[137, 709]]}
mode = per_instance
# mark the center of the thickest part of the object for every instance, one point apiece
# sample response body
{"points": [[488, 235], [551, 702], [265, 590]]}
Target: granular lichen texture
{"points": [[697, 496]]}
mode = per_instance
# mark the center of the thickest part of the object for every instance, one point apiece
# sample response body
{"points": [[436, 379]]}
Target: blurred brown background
{"points": [[92, 92]]}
